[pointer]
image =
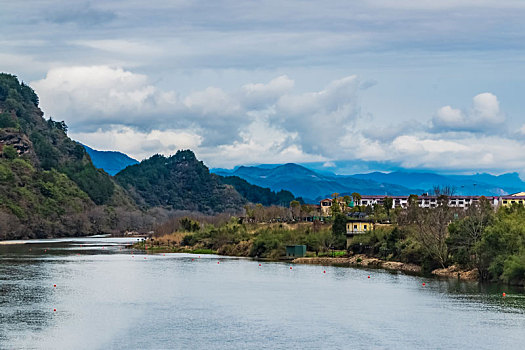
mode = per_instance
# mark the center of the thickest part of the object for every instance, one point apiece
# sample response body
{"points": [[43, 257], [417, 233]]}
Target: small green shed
{"points": [[295, 251]]}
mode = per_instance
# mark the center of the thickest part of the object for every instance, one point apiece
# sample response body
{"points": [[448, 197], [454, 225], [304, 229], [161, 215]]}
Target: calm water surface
{"points": [[107, 297]]}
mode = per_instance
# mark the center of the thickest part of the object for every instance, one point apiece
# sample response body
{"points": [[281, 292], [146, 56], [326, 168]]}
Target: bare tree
{"points": [[432, 229], [447, 190]]}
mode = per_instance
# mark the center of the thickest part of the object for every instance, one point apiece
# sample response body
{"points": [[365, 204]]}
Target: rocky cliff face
{"points": [[19, 141]]}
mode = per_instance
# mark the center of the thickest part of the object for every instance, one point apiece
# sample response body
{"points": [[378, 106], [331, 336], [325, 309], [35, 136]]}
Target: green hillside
{"points": [[48, 184]]}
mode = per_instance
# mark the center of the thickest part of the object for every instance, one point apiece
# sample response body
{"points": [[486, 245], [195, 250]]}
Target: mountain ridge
{"points": [[313, 185], [111, 161]]}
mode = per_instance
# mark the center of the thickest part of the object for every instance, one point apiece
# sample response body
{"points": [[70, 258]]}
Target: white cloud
{"points": [[485, 108], [137, 144], [115, 109], [484, 115], [94, 94], [93, 97], [98, 97], [257, 95], [322, 118]]}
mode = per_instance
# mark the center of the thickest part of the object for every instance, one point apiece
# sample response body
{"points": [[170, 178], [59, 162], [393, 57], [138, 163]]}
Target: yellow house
{"points": [[507, 201], [357, 227]]}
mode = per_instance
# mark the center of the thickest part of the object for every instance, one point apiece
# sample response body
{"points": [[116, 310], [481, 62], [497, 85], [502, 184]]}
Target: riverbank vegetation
{"points": [[490, 242], [234, 237]]}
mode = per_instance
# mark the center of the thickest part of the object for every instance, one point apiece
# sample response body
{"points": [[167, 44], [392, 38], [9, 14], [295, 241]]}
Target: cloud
{"points": [[261, 121], [93, 97], [80, 13], [320, 118], [329, 164], [138, 144], [484, 115], [259, 94], [87, 97], [270, 122]]}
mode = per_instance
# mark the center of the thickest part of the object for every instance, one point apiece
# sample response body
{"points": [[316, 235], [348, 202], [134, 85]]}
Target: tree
{"points": [[388, 203], [501, 250], [444, 190], [339, 225], [258, 212], [357, 198], [410, 215], [348, 201], [432, 230], [306, 209], [295, 206], [335, 208], [466, 233], [189, 225]]}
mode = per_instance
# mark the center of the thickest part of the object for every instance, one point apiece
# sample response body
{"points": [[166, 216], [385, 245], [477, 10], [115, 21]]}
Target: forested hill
{"points": [[47, 181], [179, 182]]}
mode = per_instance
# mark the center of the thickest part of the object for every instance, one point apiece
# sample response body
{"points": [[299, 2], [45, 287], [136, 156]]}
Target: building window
{"points": [[355, 227], [365, 227]]}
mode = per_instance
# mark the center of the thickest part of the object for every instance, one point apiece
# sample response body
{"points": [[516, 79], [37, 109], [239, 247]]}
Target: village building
{"points": [[357, 227], [517, 198], [426, 201]]}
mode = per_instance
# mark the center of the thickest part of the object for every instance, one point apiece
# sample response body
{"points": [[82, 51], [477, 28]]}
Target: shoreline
{"points": [[361, 260], [358, 260]]}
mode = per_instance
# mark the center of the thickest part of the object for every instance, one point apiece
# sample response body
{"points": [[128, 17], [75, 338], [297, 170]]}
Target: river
{"points": [[110, 297]]}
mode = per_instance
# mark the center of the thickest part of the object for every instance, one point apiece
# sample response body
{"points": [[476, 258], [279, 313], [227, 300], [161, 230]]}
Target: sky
{"points": [[352, 85]]}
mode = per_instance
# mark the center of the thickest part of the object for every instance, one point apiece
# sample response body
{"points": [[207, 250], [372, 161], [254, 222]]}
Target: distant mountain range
{"points": [[309, 184], [312, 185], [111, 161]]}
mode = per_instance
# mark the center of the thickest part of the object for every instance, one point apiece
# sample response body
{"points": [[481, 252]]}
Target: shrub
{"points": [[10, 152]]}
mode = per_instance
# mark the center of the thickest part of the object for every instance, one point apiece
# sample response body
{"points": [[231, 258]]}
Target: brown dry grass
{"points": [[170, 239]]}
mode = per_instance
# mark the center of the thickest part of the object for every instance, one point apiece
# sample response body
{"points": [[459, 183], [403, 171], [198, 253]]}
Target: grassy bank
{"points": [[265, 241]]}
